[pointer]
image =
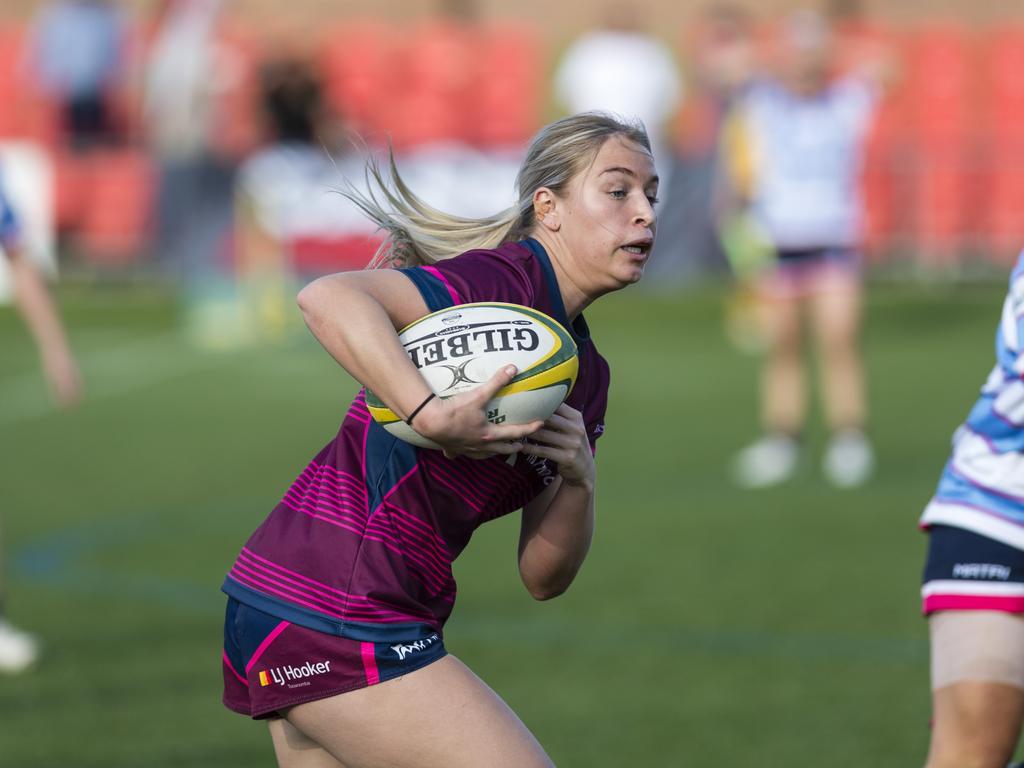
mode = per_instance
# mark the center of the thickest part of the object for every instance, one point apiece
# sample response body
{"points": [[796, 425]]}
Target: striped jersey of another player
{"points": [[982, 486]]}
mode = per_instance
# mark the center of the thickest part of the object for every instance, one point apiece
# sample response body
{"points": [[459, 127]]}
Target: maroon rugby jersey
{"points": [[362, 543]]}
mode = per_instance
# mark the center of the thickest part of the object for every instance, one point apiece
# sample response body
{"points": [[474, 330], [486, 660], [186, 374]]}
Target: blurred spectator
{"points": [[719, 58], [286, 217], [18, 649], [621, 69], [793, 231], [78, 54], [182, 79]]}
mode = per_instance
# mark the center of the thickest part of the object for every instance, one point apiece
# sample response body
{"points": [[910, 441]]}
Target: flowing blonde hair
{"points": [[418, 233]]}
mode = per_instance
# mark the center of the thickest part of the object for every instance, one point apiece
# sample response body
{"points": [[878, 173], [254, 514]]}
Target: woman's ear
{"points": [[544, 209]]}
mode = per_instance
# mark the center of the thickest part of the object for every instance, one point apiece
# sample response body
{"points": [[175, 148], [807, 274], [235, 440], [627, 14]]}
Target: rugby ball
{"points": [[458, 349]]}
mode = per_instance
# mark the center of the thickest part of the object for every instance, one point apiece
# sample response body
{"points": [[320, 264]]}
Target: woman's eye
{"points": [[618, 194], [653, 199]]}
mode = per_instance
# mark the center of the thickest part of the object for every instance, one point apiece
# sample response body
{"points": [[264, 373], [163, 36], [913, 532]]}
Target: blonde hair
{"points": [[418, 233]]}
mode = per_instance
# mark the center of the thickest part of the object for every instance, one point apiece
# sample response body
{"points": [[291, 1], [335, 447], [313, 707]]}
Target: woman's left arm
{"points": [[558, 525]]}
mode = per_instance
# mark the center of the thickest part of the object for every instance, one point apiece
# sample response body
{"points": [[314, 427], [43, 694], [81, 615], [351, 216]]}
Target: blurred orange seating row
{"points": [[945, 160], [436, 82], [106, 198]]}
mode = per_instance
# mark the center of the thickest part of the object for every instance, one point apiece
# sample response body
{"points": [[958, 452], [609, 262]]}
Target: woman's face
{"points": [[606, 217]]}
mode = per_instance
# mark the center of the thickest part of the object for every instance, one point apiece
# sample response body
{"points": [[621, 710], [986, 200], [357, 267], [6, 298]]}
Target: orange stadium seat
{"points": [[939, 66], [436, 70], [323, 255], [118, 207], [1003, 223], [506, 91], [71, 188], [940, 73], [884, 180], [881, 178], [358, 61], [1003, 86], [1003, 118], [237, 124], [25, 112]]}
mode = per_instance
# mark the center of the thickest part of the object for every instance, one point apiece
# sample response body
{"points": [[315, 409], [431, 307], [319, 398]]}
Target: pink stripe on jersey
{"points": [[357, 481], [255, 571], [433, 581], [451, 290], [333, 521], [324, 474], [318, 586], [383, 617], [422, 535], [329, 500], [257, 574], [369, 663], [471, 499], [1000, 603], [397, 485], [227, 663], [314, 587], [343, 512], [266, 644]]}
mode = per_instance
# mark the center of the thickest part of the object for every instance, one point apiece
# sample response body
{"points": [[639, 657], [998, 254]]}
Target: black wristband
{"points": [[420, 407]]}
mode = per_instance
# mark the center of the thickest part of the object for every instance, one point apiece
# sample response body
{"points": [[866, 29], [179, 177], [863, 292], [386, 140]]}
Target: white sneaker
{"points": [[849, 460], [769, 461], [18, 650]]}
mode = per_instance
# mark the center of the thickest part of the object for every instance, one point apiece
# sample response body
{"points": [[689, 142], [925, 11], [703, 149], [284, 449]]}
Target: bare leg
{"points": [[295, 750], [977, 725], [440, 716], [977, 672], [836, 317], [783, 377]]}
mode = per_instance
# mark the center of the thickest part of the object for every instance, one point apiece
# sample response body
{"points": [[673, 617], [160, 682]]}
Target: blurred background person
{"points": [[973, 593], [183, 75], [78, 56], [793, 158], [19, 649], [718, 61], [289, 219], [621, 68]]}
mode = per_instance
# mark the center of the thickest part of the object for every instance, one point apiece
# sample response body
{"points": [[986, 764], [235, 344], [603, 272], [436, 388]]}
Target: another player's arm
{"points": [[36, 306], [354, 315], [558, 525]]}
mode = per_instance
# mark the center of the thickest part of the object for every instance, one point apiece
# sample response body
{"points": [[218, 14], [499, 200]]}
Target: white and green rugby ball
{"points": [[458, 349]]}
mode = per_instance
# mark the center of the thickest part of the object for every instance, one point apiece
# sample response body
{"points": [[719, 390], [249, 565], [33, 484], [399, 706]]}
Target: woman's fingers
{"points": [[486, 391], [551, 437], [513, 432]]}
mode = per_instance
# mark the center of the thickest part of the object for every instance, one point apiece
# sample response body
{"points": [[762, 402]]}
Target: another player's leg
{"points": [[440, 716], [296, 750], [836, 318], [774, 457], [977, 688]]}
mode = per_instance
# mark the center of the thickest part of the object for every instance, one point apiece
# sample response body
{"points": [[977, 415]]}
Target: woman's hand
{"points": [[563, 440], [459, 424]]}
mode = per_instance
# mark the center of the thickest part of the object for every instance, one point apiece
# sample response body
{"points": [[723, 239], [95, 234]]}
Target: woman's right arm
{"points": [[354, 315]]}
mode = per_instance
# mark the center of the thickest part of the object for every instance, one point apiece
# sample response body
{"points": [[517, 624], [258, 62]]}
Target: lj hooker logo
{"points": [[293, 676]]}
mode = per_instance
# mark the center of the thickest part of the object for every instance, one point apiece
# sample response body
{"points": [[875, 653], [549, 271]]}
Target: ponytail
{"points": [[417, 233]]}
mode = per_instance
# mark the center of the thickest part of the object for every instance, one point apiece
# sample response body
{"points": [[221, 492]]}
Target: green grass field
{"points": [[709, 627]]}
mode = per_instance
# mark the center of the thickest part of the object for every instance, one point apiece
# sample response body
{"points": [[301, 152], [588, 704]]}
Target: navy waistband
{"points": [[304, 617]]}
